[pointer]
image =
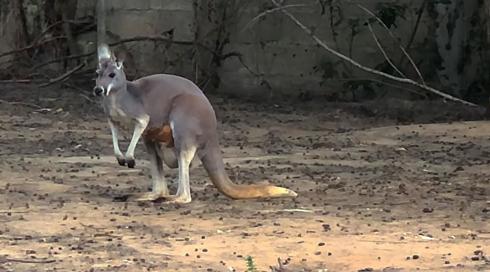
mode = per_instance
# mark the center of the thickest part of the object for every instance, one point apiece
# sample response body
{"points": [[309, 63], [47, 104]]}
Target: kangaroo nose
{"points": [[98, 90]]}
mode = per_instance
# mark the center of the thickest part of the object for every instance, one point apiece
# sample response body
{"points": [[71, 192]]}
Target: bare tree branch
{"points": [[128, 40], [394, 38], [251, 22], [63, 76], [367, 69], [31, 46], [420, 12], [387, 58]]}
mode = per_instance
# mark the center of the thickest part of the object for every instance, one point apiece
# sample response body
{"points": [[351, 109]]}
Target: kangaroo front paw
{"points": [[121, 161], [131, 163]]}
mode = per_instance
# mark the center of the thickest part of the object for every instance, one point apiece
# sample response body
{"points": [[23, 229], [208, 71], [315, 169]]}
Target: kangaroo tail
{"points": [[213, 163]]}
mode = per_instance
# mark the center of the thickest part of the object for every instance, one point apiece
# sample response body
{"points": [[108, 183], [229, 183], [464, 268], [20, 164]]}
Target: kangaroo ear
{"points": [[119, 64], [103, 52], [120, 56]]}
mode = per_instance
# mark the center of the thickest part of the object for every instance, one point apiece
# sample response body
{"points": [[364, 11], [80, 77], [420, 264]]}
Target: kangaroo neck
{"points": [[122, 91], [115, 96]]}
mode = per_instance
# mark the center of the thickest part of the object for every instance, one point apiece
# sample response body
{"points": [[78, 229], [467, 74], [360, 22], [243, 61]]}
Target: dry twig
{"points": [[19, 81], [280, 267], [251, 22], [4, 259], [31, 46]]}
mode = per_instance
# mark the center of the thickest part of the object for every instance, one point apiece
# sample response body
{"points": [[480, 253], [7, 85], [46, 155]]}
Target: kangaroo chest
{"points": [[126, 120], [121, 119], [117, 115]]}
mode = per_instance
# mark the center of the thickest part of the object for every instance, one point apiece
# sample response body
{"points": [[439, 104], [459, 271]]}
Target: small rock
{"points": [[428, 210], [326, 227]]}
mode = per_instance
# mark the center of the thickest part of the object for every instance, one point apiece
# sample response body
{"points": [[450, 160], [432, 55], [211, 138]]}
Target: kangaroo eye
{"points": [[112, 75]]}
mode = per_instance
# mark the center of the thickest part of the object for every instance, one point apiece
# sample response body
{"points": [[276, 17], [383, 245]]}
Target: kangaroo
{"points": [[176, 121]]}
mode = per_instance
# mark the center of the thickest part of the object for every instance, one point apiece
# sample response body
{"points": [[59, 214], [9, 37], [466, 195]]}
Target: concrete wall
{"points": [[284, 59], [277, 57], [127, 19]]}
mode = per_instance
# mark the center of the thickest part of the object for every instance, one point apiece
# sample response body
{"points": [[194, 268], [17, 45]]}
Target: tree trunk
{"points": [[12, 26], [486, 15]]}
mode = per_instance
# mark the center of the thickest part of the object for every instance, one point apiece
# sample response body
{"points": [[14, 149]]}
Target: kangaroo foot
{"points": [[121, 161], [150, 196], [177, 199], [130, 161]]}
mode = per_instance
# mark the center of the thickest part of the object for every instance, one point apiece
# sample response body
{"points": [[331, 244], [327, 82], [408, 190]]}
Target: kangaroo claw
{"points": [[121, 161], [131, 163]]}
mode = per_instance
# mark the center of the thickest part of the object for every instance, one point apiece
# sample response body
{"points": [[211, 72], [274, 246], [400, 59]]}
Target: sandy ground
{"points": [[374, 195]]}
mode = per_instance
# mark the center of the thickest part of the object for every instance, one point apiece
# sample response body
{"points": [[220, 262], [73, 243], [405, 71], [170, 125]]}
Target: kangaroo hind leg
{"points": [[185, 156], [186, 123], [169, 157], [159, 183]]}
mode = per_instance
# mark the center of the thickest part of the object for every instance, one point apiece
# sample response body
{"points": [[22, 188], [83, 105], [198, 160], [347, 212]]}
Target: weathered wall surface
{"points": [[459, 43], [127, 19], [220, 48], [281, 58], [276, 56]]}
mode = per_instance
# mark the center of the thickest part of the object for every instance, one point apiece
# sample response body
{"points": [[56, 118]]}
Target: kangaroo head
{"points": [[110, 74]]}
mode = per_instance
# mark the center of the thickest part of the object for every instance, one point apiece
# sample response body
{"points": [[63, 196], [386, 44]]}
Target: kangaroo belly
{"points": [[161, 134]]}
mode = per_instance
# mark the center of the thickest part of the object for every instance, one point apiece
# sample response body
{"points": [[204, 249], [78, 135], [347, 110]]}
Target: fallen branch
{"points": [[367, 69], [19, 81], [21, 103], [63, 76], [421, 94]]}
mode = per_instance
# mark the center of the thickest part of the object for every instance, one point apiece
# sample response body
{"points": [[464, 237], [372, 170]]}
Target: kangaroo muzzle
{"points": [[98, 90]]}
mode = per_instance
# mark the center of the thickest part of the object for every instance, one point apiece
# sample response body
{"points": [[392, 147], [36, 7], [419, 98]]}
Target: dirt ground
{"points": [[376, 193]]}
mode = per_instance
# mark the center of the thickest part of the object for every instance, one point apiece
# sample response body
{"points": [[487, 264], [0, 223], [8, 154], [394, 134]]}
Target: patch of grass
{"points": [[251, 264]]}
